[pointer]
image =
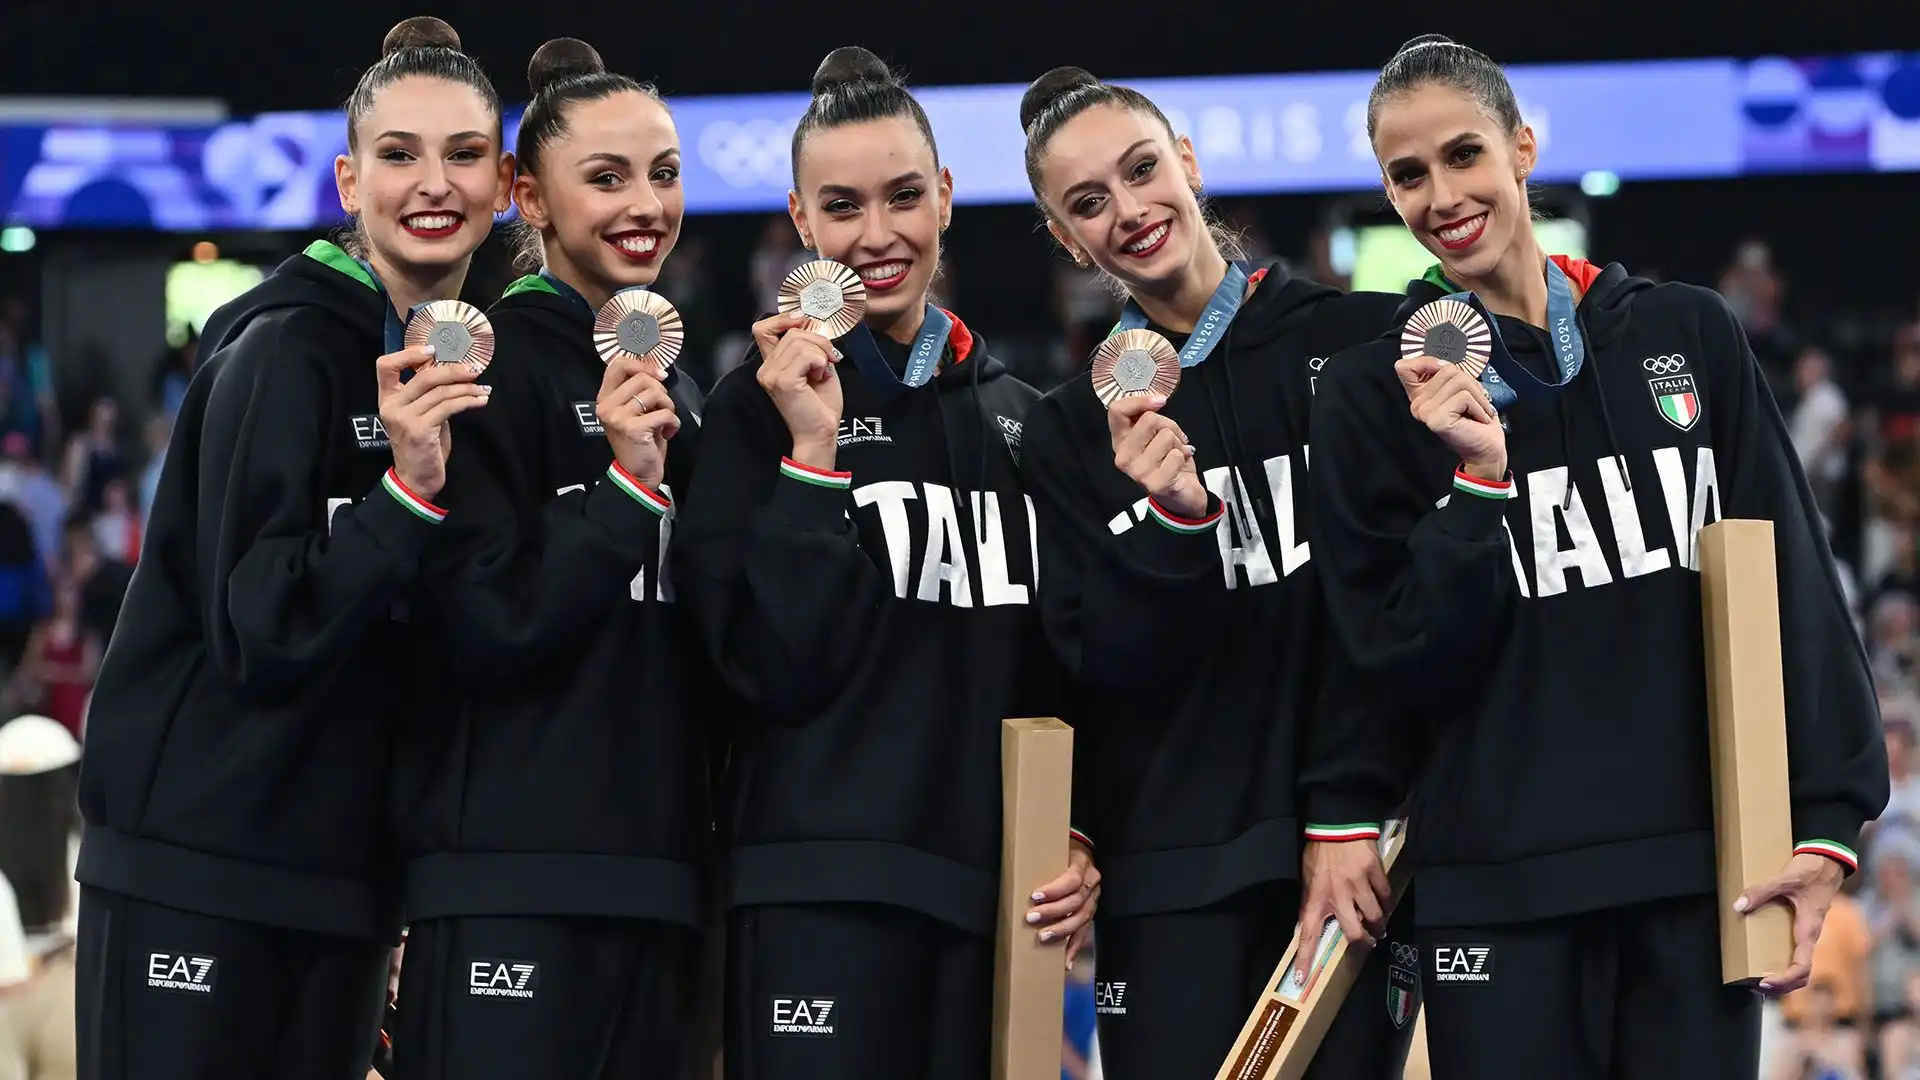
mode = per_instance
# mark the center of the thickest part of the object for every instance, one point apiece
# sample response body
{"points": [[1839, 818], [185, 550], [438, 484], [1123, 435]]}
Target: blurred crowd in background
{"points": [[74, 491]]}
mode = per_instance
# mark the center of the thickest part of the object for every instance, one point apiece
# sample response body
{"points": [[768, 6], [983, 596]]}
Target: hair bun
{"points": [[849, 64], [562, 58], [1424, 39], [1049, 88], [420, 32]]}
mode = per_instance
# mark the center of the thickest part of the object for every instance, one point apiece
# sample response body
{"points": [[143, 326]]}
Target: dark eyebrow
{"points": [[1067, 196], [619, 160], [408, 136], [671, 151], [1446, 148], [845, 192]]}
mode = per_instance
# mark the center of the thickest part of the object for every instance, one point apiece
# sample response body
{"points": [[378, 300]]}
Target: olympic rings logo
{"points": [[749, 153], [1406, 955], [1664, 365]]}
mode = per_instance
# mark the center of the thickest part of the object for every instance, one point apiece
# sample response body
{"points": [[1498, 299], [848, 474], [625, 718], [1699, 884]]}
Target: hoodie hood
{"points": [[321, 276], [1605, 296]]}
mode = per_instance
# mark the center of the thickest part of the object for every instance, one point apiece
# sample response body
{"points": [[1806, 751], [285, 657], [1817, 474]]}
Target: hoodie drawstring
{"points": [[1251, 495], [1606, 422], [954, 471]]}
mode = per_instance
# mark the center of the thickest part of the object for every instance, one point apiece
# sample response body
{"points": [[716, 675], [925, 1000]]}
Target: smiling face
{"points": [[1121, 193], [608, 201], [1455, 176], [428, 176], [871, 198]]}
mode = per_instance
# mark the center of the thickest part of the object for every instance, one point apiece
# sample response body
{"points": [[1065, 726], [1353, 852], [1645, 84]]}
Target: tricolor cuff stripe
{"points": [[641, 493], [1365, 830], [1076, 834], [1486, 489], [1839, 853], [1182, 524], [420, 506], [807, 474]]}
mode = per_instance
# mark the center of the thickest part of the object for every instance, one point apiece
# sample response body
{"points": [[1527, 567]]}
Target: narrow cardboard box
{"points": [[1291, 1018], [1747, 724], [1030, 979]]}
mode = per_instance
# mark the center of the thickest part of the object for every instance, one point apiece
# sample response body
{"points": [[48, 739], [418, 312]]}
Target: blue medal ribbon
{"points": [[1506, 380], [1213, 324], [923, 360]]}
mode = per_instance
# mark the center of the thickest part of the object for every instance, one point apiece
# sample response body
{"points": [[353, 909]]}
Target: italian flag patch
{"points": [[1677, 398]]}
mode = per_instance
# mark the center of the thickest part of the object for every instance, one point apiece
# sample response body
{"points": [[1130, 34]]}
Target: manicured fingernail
{"points": [[485, 389], [1033, 916], [1158, 400], [1047, 935], [428, 349], [1039, 896], [1740, 904]]}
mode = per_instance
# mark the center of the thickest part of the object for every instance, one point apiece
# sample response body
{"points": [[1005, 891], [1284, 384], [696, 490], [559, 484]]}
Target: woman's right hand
{"points": [[1154, 453], [1454, 406], [638, 416], [415, 414], [797, 372]]}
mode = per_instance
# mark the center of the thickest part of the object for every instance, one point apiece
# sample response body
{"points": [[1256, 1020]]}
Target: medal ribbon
{"points": [[1212, 325], [1506, 379], [922, 361]]}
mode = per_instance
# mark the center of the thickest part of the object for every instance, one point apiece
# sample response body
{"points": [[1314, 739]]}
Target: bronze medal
{"points": [[830, 295], [1450, 331], [642, 324], [1134, 362], [458, 332]]}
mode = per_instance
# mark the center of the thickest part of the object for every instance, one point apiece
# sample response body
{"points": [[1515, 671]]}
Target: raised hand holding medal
{"points": [[638, 334], [1444, 352], [445, 346], [818, 302]]}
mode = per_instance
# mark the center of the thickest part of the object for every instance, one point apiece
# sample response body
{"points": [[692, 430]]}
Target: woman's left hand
{"points": [[1808, 885], [1063, 908]]}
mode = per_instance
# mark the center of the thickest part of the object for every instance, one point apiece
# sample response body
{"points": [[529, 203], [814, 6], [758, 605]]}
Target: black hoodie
{"points": [[236, 744], [1213, 722], [1556, 651], [877, 665], [565, 776]]}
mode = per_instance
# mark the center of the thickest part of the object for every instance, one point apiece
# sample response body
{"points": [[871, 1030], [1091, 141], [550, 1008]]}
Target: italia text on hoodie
{"points": [[880, 621], [1214, 723], [1548, 628]]}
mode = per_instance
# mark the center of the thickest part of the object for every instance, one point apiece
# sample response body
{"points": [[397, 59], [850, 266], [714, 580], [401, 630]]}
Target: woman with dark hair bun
{"points": [[556, 815], [237, 904], [859, 558], [1510, 494], [1235, 774]]}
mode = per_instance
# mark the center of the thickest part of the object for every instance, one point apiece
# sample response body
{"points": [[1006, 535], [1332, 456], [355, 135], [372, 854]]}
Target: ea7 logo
{"points": [[808, 1017], [368, 432], [588, 414], [502, 979], [862, 429], [1110, 998], [1463, 963], [181, 973]]}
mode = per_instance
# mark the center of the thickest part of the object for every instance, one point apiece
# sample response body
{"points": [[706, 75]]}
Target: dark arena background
{"points": [[156, 159]]}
